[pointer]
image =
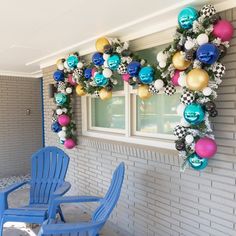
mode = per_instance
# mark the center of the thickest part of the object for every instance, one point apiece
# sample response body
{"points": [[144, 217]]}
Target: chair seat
{"points": [[26, 212]]}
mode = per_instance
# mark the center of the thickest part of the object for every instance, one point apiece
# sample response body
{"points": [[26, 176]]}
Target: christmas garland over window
{"points": [[192, 61]]}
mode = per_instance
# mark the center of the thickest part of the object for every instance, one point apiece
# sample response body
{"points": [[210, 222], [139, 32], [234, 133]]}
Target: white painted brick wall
{"points": [[156, 198], [20, 135]]}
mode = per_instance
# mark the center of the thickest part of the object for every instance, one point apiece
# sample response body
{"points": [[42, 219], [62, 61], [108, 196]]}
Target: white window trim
{"points": [[129, 135]]}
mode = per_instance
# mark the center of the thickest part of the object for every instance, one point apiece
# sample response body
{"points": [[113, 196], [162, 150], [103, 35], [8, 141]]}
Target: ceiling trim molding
{"points": [[36, 74], [141, 27]]}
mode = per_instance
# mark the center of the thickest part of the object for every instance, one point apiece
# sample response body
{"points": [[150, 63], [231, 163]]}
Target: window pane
{"points": [[108, 114], [157, 114]]}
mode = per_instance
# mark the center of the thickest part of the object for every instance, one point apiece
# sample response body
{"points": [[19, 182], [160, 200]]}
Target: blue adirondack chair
{"points": [[99, 217], [49, 167]]}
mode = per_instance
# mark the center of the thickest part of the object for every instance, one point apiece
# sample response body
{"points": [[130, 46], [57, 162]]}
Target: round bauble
{"points": [[71, 80], [60, 64], [72, 61], [179, 145], [56, 127], [189, 139], [114, 62], [182, 80], [59, 111], [152, 89], [162, 64], [143, 92], [97, 59], [207, 91], [187, 97], [61, 86], [196, 162], [179, 61], [79, 90], [69, 143], [104, 94], [101, 43], [180, 131], [209, 106], [146, 75], [88, 73], [197, 79], [224, 30], [60, 98], [107, 73], [63, 120], [161, 56], [122, 69], [58, 75], [189, 44], [64, 110], [175, 78], [100, 80], [213, 113], [106, 56], [133, 68], [170, 90], [208, 10], [61, 134], [186, 17], [194, 114], [69, 90], [159, 84], [218, 70], [126, 77], [208, 53], [206, 147], [80, 65], [202, 39], [107, 50]]}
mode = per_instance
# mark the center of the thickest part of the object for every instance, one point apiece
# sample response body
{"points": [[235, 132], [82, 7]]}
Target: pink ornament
{"points": [[175, 78], [126, 77], [206, 147], [93, 71], [69, 143], [71, 80], [63, 120], [224, 30]]}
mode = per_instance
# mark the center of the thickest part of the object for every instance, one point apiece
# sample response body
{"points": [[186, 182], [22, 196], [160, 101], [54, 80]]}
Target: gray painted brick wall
{"points": [[157, 199], [20, 135]]}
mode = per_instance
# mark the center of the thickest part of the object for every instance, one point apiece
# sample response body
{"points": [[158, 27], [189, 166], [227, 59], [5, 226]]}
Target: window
{"points": [[126, 117]]}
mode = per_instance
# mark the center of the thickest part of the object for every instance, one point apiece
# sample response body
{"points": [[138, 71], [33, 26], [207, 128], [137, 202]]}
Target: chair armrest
{"points": [[64, 188], [5, 192], [58, 229], [70, 199]]}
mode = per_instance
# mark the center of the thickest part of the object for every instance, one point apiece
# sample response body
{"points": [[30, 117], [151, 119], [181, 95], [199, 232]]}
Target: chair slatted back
{"points": [[108, 203], [49, 167]]}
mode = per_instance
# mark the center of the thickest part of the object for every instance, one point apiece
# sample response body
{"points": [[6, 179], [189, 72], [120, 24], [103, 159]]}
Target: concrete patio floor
{"points": [[72, 214]]}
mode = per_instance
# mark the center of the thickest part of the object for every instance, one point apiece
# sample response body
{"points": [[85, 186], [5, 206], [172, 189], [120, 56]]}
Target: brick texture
{"points": [[21, 134], [157, 199]]}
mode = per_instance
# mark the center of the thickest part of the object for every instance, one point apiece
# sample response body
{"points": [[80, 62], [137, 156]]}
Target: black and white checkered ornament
{"points": [[218, 70], [208, 10], [187, 97], [96, 94], [170, 90], [152, 89], [54, 117], [180, 131], [122, 69], [61, 86], [78, 73]]}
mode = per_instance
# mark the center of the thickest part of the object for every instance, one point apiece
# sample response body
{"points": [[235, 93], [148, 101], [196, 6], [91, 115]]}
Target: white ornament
{"points": [[180, 109], [107, 73], [66, 65], [64, 128], [62, 134], [189, 139], [162, 64], [142, 62], [69, 90], [59, 111], [182, 81], [60, 66], [202, 39], [62, 139], [64, 110], [161, 56], [207, 91], [159, 84], [183, 122], [189, 44], [80, 65], [105, 64], [106, 56]]}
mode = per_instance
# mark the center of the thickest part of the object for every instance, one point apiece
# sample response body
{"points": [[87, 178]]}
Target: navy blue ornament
{"points": [[88, 73], [114, 62], [196, 162], [194, 113], [208, 53], [56, 127], [186, 17], [146, 75], [58, 75], [100, 80], [98, 59], [133, 68]]}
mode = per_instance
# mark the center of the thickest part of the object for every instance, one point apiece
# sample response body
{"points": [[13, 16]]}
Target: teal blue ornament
{"points": [[72, 61], [186, 17], [194, 113], [196, 162], [60, 98], [114, 62], [146, 75], [100, 80]]}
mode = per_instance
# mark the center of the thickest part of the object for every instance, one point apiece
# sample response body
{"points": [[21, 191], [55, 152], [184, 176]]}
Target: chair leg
{"points": [[61, 215], [1, 227]]}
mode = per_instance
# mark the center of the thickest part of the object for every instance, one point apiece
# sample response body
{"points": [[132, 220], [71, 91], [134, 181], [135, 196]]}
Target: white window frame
{"points": [[129, 135]]}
